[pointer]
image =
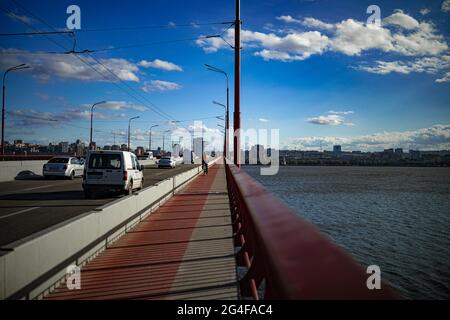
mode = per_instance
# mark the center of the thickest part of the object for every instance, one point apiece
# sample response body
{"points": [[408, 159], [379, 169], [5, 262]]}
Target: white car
{"points": [[112, 171], [69, 167], [147, 156], [167, 162]]}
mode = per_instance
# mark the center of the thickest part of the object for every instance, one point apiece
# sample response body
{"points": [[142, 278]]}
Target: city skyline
{"points": [[322, 77]]}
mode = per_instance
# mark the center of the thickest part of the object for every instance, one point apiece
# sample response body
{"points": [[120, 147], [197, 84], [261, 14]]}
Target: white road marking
{"points": [[18, 212], [47, 186], [41, 187]]}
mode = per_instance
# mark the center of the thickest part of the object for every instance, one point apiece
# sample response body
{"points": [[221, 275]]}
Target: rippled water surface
{"points": [[397, 218]]}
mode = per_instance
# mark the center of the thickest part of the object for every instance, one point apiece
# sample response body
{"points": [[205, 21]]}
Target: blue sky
{"points": [[313, 69]]}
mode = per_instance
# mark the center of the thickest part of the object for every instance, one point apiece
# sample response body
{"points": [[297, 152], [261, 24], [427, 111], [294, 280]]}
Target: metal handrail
{"points": [[293, 258]]}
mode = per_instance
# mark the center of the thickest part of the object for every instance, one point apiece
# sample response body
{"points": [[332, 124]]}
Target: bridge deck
{"points": [[184, 250]]}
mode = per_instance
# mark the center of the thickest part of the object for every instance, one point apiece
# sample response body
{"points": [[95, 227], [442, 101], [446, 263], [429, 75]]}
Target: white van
{"points": [[112, 171]]}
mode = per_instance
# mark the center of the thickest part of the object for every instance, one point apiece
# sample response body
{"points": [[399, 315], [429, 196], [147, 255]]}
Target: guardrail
{"points": [[36, 264], [293, 258]]}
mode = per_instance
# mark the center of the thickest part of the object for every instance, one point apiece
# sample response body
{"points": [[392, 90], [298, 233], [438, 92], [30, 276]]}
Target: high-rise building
{"points": [[198, 146], [337, 149], [64, 146]]}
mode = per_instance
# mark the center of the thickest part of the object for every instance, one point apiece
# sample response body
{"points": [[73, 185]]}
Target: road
{"points": [[29, 206]]}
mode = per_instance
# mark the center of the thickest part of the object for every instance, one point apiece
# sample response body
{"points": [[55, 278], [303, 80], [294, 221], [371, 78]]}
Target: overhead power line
{"points": [[35, 33], [116, 48], [153, 107]]}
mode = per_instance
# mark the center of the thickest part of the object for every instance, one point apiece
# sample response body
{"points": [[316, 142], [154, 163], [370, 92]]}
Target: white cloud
{"points": [[328, 120], [288, 19], [333, 118], [118, 105], [160, 64], [424, 11], [315, 23], [436, 137], [160, 85], [429, 65], [263, 120], [401, 33], [445, 6], [398, 18], [424, 41], [64, 66], [352, 37], [340, 112], [445, 78]]}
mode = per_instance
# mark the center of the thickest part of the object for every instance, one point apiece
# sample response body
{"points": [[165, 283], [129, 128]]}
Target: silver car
{"points": [[167, 162], [69, 167]]}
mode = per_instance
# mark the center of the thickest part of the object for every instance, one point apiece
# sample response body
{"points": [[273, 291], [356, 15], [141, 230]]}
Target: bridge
{"points": [[185, 236]]}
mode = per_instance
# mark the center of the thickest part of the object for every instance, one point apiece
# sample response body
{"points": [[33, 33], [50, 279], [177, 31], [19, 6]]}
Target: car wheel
{"points": [[142, 184], [72, 175], [130, 188]]}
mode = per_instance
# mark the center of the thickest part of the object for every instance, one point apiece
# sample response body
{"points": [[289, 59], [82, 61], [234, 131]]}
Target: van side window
{"points": [[133, 160]]}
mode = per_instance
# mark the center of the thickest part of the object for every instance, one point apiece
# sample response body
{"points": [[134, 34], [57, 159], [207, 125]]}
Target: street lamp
{"points": [[225, 135], [129, 129], [16, 68], [150, 137], [92, 115], [227, 110]]}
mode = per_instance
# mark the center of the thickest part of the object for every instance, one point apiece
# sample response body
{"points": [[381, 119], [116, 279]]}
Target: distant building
{"points": [[124, 147], [106, 147], [337, 149], [115, 147], [198, 146], [398, 151], [139, 151], [64, 146], [414, 155]]}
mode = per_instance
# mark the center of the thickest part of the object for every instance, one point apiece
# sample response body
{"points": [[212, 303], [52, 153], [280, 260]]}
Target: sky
{"points": [[317, 70]]}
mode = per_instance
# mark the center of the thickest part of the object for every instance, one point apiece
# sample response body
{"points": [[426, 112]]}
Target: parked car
{"points": [[63, 166], [112, 171], [146, 156], [167, 162]]}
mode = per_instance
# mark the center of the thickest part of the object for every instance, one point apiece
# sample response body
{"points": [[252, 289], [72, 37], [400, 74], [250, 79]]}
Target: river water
{"points": [[395, 217]]}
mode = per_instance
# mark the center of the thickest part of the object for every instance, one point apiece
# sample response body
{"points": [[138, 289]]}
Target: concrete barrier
{"points": [[10, 169], [33, 266]]}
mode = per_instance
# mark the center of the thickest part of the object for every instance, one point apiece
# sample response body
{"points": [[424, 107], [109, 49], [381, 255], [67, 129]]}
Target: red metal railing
{"points": [[293, 258]]}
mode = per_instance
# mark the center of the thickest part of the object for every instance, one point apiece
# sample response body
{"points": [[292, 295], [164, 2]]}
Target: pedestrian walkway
{"points": [[184, 250]]}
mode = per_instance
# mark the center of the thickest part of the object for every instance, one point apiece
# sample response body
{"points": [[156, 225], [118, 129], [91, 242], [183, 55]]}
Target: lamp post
{"points": [[92, 115], [225, 136], [150, 137], [237, 86], [129, 130], [16, 68], [227, 109]]}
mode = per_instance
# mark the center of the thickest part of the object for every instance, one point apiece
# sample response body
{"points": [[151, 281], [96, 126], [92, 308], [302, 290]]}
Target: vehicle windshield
{"points": [[105, 161], [59, 160]]}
